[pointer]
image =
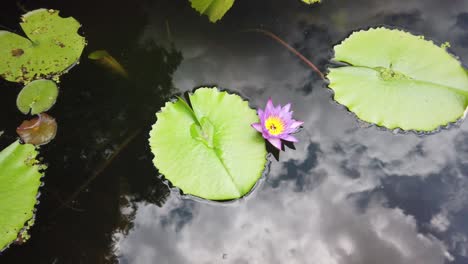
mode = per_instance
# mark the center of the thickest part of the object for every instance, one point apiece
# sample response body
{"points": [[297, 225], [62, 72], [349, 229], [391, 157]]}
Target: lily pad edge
{"points": [[27, 224]]}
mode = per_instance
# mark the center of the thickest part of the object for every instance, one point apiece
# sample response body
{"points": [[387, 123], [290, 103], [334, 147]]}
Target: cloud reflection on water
{"points": [[347, 195]]}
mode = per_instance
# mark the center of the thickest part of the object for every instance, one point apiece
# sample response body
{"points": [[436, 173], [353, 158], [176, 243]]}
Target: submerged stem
{"points": [[99, 170], [293, 50]]}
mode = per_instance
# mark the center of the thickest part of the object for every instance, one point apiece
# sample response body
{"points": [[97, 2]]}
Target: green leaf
{"points": [[53, 46], [211, 151], [37, 96], [311, 1], [214, 9], [104, 58], [20, 179], [398, 80]]}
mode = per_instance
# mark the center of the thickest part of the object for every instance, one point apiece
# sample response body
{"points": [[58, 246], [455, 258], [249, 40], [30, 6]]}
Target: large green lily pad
{"points": [[19, 186], [398, 80], [214, 9], [37, 97], [53, 46], [211, 151]]}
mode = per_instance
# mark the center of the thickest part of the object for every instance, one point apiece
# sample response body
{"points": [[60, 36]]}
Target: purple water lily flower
{"points": [[276, 124]]}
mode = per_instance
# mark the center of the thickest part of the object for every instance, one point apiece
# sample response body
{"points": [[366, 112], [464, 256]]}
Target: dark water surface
{"points": [[347, 195]]}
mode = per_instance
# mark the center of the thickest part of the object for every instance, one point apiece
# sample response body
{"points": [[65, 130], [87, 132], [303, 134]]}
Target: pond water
{"points": [[349, 193]]}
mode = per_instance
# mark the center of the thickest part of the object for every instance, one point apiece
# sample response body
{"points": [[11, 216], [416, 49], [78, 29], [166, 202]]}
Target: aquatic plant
{"points": [[276, 124], [208, 149], [311, 1], [39, 130], [37, 97], [106, 60], [214, 9], [53, 45], [19, 185], [398, 80]]}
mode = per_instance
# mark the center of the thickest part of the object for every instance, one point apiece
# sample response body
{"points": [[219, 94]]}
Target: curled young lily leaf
{"points": [[39, 130], [398, 80], [105, 59], [210, 150], [20, 178], [37, 96], [53, 45]]}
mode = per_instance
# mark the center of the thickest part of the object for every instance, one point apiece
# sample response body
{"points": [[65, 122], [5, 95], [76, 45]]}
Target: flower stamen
{"points": [[274, 125]]}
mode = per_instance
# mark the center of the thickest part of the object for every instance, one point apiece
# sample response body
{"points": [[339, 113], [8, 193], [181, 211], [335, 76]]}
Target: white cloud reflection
{"points": [[322, 222]]}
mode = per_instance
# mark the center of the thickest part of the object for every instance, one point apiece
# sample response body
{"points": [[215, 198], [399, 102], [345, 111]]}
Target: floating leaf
{"points": [[19, 186], [53, 46], [37, 96], [106, 60], [398, 80], [214, 9], [39, 130], [211, 151], [311, 1]]}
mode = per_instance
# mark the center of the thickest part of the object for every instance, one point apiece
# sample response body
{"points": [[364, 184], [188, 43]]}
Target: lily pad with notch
{"points": [[37, 97], [398, 80], [53, 45], [209, 150]]}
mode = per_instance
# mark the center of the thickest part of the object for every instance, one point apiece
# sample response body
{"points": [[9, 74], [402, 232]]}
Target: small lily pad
{"points": [[37, 96], [214, 9], [39, 130], [53, 46], [20, 178], [398, 80], [210, 151]]}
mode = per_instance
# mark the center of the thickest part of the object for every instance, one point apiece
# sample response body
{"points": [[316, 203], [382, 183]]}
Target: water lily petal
{"points": [[260, 114], [278, 110], [269, 106], [297, 124], [276, 142], [257, 127], [290, 138], [286, 108]]}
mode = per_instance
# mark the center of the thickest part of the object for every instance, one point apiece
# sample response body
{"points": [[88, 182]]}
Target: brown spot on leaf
{"points": [[24, 70], [17, 52], [58, 43]]}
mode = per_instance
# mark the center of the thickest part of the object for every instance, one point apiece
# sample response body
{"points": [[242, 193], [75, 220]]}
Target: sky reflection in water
{"points": [[347, 194]]}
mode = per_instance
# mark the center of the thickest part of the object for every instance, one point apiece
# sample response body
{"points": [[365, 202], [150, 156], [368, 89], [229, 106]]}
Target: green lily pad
{"points": [[311, 1], [20, 178], [211, 151], [37, 96], [214, 9], [53, 46], [397, 80]]}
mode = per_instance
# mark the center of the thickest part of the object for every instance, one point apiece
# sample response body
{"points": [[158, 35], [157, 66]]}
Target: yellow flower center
{"points": [[274, 125]]}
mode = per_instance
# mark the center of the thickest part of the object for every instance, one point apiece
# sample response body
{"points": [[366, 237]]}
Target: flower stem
{"points": [[293, 50]]}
